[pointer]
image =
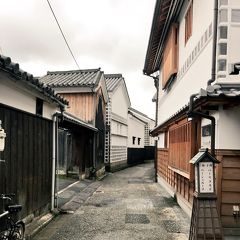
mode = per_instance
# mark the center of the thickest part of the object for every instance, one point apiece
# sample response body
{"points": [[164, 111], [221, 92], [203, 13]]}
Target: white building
{"points": [[117, 121], [136, 131], [140, 143], [149, 124], [189, 45]]}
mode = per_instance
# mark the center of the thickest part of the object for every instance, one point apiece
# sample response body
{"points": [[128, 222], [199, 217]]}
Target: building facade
{"points": [[195, 61], [117, 121], [87, 95], [27, 113], [140, 143]]}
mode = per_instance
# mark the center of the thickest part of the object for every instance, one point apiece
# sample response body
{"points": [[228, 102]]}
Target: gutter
{"points": [[214, 50], [191, 113], [156, 84]]}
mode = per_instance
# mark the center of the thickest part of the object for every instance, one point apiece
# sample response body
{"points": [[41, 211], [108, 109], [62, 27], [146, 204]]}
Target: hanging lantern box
{"points": [[204, 164]]}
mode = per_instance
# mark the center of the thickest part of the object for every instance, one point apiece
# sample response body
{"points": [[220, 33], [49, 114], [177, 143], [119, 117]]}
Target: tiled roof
{"points": [[140, 113], [74, 78], [12, 68], [71, 118], [112, 81], [156, 39]]}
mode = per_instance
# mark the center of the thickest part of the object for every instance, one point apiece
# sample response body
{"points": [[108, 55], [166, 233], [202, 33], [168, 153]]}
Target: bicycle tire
{"points": [[4, 235], [19, 231]]}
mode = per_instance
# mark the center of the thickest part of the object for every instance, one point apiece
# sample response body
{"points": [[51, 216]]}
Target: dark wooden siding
{"points": [[138, 155], [28, 155], [228, 185], [100, 124]]}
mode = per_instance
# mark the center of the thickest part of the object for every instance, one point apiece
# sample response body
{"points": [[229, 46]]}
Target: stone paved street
{"points": [[127, 205]]}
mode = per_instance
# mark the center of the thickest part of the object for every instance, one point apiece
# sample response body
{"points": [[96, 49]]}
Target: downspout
{"points": [[214, 49], [191, 113], [54, 157], [156, 84]]}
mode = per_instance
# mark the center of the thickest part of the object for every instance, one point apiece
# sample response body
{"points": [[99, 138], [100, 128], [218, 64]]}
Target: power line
{"points": [[63, 34]]}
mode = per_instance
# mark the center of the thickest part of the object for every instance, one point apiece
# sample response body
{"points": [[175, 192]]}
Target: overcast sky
{"points": [[111, 34]]}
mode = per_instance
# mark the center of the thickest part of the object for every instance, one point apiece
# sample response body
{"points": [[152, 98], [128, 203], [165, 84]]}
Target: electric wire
{"points": [[63, 34]]}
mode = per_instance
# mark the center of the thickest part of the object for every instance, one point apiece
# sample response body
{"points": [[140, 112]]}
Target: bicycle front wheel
{"points": [[19, 230]]}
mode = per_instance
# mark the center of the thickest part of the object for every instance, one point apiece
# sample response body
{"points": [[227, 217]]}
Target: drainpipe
{"points": [[53, 161], [191, 113], [214, 49], [54, 157], [156, 84]]}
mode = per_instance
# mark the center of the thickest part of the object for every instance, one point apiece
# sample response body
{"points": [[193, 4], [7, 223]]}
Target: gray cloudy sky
{"points": [[111, 34]]}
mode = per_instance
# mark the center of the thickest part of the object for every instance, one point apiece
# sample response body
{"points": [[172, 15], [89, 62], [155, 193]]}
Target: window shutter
{"points": [[170, 56]]}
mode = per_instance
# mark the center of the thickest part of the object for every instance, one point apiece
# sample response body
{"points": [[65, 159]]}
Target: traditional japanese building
{"points": [[28, 117], [117, 122], [87, 95], [193, 57]]}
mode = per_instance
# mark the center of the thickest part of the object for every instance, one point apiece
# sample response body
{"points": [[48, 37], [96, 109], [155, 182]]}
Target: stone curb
{"points": [[38, 224]]}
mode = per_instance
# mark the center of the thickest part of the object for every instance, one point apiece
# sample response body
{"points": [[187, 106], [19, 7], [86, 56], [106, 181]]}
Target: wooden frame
{"points": [[188, 22]]}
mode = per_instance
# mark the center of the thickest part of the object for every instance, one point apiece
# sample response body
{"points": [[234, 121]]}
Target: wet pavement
{"points": [[124, 205]]}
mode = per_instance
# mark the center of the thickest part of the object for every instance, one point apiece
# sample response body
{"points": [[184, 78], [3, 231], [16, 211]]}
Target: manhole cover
{"points": [[137, 219], [172, 226]]}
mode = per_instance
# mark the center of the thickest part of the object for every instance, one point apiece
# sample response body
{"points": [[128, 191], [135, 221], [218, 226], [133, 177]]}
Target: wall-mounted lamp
{"points": [[236, 211], [2, 137]]}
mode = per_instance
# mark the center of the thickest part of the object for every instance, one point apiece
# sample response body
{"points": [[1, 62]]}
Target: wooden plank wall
{"points": [[180, 146], [28, 155], [228, 185], [178, 182], [81, 105]]}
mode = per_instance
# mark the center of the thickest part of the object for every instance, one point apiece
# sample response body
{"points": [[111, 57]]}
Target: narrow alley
{"points": [[127, 205]]}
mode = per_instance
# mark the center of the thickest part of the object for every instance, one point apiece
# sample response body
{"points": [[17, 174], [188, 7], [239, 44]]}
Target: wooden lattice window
{"points": [[184, 141], [170, 56], [188, 22]]}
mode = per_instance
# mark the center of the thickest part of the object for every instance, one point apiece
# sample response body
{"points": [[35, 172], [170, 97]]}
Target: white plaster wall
{"points": [[229, 129], [16, 96], [118, 141], [119, 102], [161, 140], [151, 139], [232, 41], [199, 72], [49, 110], [118, 128], [118, 134], [202, 17], [195, 78], [135, 129]]}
